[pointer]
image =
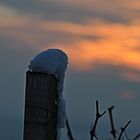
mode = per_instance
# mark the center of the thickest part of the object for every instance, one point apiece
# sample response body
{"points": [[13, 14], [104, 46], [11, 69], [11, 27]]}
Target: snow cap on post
{"points": [[53, 61]]}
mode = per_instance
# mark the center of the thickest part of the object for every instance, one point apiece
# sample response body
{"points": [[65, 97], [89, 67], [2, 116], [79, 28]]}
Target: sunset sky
{"points": [[102, 40]]}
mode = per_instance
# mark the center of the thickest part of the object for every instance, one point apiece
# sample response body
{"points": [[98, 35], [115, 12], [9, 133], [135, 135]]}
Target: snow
{"points": [[53, 61]]}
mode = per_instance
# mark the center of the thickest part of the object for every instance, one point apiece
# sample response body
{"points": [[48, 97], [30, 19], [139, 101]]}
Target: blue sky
{"points": [[102, 40]]}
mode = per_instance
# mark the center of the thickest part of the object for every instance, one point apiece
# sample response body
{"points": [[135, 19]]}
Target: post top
{"points": [[52, 61]]}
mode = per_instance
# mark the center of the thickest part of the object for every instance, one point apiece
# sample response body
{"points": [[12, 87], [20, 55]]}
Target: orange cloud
{"points": [[116, 44], [135, 4], [84, 54]]}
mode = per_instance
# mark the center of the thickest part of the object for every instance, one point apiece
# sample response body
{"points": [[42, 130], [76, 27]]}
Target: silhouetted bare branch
{"points": [[123, 130], [136, 137], [113, 130], [126, 135], [98, 116]]}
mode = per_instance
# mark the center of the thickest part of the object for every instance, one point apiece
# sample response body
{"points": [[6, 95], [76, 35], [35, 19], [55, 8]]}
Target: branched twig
{"points": [[113, 130], [123, 130], [98, 116], [69, 132], [126, 135]]}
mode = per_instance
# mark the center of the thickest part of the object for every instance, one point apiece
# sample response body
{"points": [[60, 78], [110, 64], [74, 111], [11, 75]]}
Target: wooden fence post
{"points": [[40, 120]]}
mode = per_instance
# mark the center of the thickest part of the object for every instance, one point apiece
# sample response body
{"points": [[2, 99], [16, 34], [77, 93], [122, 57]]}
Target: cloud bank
{"points": [[91, 31]]}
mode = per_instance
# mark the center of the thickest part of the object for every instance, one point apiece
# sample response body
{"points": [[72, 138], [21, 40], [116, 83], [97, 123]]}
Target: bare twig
{"points": [[126, 135], [136, 137], [123, 130], [98, 116], [69, 132], [113, 130]]}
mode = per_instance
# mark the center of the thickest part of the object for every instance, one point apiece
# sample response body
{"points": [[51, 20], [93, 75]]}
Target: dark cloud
{"points": [[55, 11]]}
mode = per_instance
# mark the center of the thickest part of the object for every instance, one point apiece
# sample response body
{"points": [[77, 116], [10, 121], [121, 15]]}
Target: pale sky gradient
{"points": [[102, 40]]}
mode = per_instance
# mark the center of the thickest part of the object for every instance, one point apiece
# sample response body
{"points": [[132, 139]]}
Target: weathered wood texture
{"points": [[40, 107]]}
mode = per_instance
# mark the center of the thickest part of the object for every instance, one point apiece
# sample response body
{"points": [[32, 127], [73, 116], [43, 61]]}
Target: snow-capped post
{"points": [[45, 106]]}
